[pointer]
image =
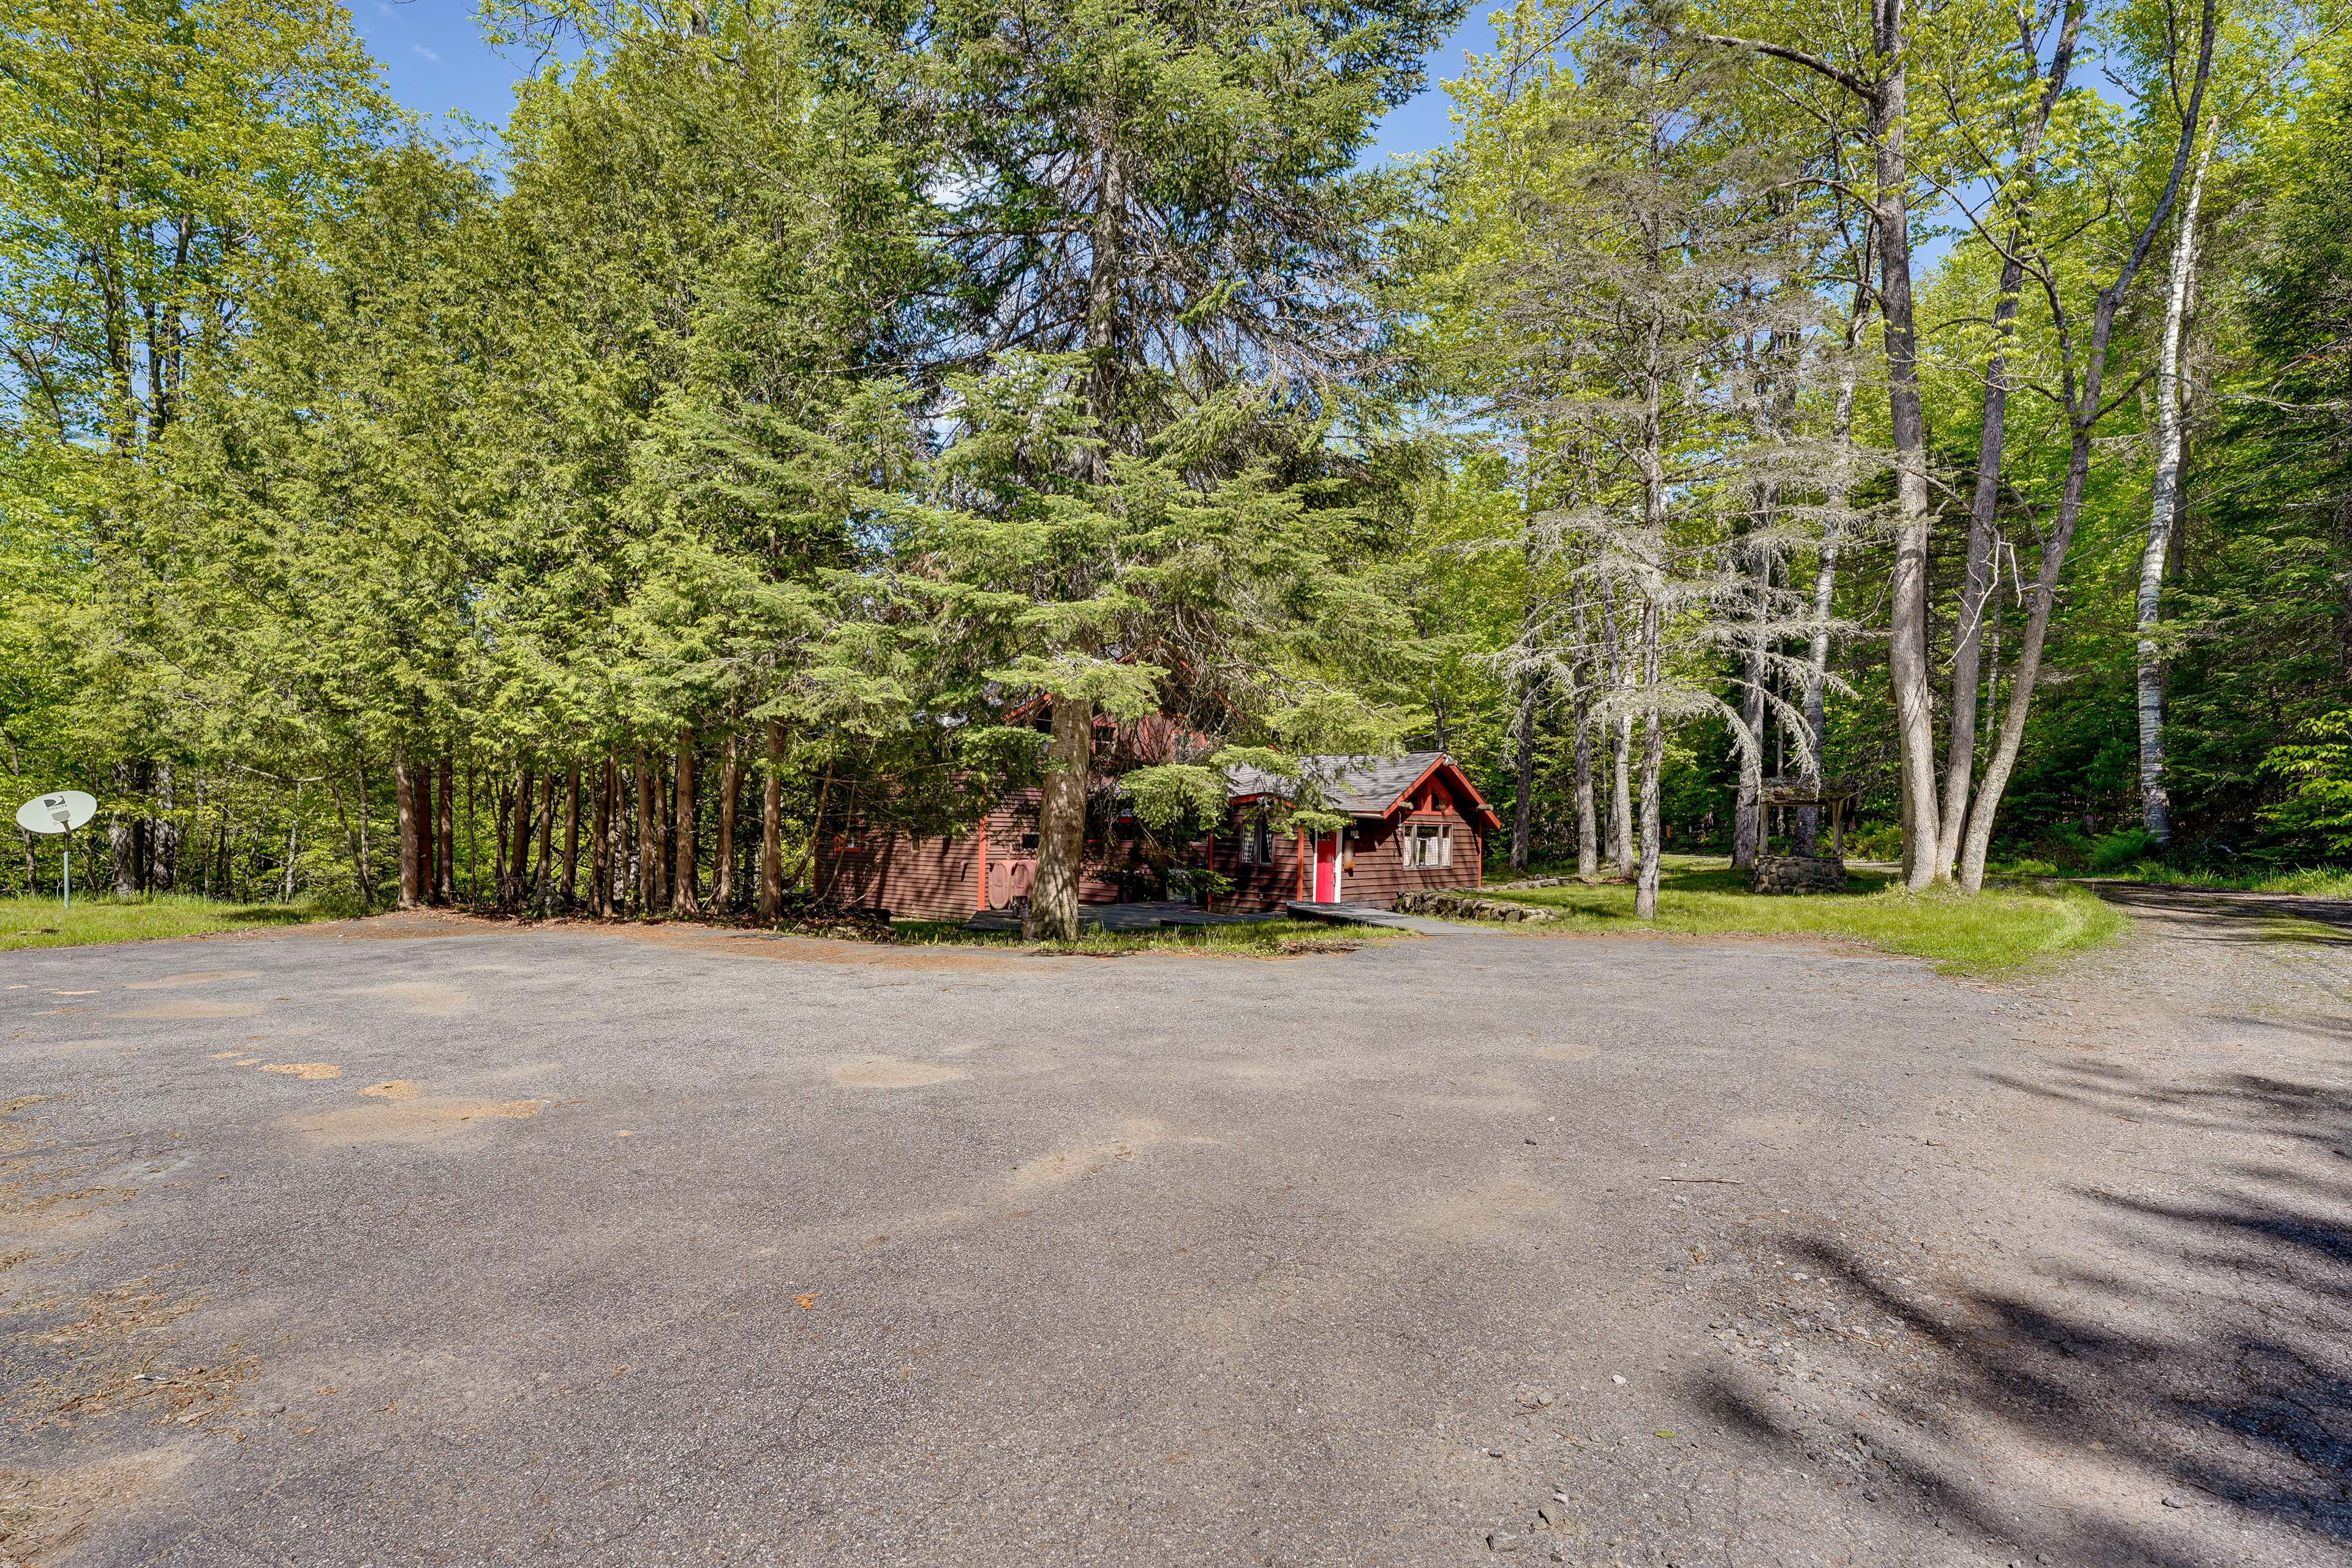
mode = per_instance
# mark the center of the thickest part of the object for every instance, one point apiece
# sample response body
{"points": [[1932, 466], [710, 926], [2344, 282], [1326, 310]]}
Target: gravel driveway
{"points": [[418, 1240]]}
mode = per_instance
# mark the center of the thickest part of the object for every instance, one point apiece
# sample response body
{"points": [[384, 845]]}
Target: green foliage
{"points": [[2318, 767]]}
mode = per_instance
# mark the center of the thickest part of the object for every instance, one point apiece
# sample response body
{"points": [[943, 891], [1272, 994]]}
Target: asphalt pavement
{"points": [[421, 1240]]}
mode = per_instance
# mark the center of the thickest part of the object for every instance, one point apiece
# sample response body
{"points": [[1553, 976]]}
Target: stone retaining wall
{"points": [[1457, 905]]}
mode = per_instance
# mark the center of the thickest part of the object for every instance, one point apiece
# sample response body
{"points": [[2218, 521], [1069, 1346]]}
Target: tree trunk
{"points": [[445, 803], [543, 885], [2083, 409], [1976, 583], [1523, 773], [1108, 256], [730, 784], [1062, 824], [571, 835], [364, 859], [664, 835], [1654, 759], [1620, 745], [600, 847], [1588, 826], [403, 805], [2156, 802], [684, 894], [649, 858], [517, 880], [771, 826], [1906, 659], [122, 836], [1817, 652], [293, 843], [421, 781], [473, 834], [163, 848], [1747, 812]]}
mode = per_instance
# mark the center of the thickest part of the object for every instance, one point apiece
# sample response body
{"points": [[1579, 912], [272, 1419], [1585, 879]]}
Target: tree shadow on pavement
{"points": [[2174, 1389], [2223, 915]]}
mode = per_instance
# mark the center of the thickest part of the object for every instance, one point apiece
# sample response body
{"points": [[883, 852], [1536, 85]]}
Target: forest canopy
{"points": [[803, 419]]}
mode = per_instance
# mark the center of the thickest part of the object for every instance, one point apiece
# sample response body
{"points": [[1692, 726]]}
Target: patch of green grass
{"points": [[2001, 928], [1252, 939], [41, 922]]}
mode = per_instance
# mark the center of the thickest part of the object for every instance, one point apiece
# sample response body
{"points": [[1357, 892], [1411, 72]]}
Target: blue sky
{"points": [[436, 62]]}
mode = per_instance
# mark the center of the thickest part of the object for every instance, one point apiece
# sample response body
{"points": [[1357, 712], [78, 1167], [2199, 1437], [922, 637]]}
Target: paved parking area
{"points": [[418, 1240]]}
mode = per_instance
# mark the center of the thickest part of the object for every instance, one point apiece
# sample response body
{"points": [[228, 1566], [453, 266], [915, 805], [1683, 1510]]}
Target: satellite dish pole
{"points": [[61, 812]]}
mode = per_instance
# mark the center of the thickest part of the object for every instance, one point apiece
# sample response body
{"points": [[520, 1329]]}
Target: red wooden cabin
{"points": [[1416, 821]]}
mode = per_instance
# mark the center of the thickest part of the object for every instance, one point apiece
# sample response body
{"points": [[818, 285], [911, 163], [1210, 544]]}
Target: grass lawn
{"points": [[40, 921], [1999, 930], [1253, 939]]}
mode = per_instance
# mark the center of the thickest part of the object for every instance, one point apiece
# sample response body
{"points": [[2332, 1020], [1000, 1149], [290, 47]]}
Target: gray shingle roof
{"points": [[1360, 786]]}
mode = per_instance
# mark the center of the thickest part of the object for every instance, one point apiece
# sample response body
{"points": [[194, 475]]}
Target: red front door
{"points": [[1327, 868]]}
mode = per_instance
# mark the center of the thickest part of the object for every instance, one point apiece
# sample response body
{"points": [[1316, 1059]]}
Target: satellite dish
{"points": [[60, 812]]}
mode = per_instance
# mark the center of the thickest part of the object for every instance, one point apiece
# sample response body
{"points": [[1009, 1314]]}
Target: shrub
{"points": [[2121, 850]]}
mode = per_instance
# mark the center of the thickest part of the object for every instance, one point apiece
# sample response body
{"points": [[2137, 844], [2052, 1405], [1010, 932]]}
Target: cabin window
{"points": [[1257, 844], [1430, 845]]}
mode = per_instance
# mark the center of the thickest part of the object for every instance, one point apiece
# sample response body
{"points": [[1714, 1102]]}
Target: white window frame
{"points": [[1429, 845]]}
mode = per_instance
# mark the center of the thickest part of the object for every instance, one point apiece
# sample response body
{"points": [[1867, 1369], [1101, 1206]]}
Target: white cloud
{"points": [[428, 54]]}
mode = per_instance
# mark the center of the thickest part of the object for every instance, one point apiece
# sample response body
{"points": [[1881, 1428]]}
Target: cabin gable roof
{"points": [[1371, 786]]}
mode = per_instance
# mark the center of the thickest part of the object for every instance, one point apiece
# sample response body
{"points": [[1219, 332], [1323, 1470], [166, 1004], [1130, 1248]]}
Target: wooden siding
{"points": [[1266, 885], [1379, 872], [940, 878]]}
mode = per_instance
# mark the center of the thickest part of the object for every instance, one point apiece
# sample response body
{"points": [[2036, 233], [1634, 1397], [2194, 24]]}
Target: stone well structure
{"points": [[1800, 874]]}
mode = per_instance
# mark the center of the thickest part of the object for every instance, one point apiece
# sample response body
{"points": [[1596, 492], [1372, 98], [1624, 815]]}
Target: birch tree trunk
{"points": [[684, 895], [1620, 745], [1653, 758], [1651, 457], [1817, 652], [2084, 409], [2156, 802], [1747, 812], [293, 843], [1523, 773], [1588, 825], [1062, 824]]}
